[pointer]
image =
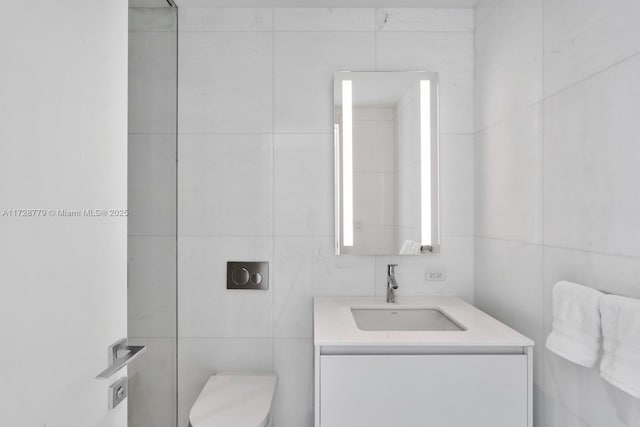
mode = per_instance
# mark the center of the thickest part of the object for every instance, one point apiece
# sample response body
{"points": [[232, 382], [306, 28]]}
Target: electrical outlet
{"points": [[436, 275]]}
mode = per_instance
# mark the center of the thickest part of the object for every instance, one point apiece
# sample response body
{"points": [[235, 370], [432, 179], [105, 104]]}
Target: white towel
{"points": [[409, 247], [576, 330], [621, 330]]}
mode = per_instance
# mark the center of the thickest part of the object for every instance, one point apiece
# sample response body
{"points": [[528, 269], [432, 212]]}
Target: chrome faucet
{"points": [[392, 285]]}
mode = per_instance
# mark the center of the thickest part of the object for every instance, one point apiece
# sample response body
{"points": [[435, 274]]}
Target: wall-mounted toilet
{"points": [[235, 400]]}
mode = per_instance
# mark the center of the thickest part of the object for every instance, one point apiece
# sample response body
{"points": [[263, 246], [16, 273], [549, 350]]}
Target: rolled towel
{"points": [[406, 245], [576, 325], [410, 247], [621, 331]]}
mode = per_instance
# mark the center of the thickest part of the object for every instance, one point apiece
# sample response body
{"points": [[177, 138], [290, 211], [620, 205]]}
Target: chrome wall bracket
{"points": [[120, 355]]}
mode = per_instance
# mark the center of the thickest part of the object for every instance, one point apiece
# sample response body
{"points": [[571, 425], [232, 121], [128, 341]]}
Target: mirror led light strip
{"points": [[347, 162], [425, 161]]}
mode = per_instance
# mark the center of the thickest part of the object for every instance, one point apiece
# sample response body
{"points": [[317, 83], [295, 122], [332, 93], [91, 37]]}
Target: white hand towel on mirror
{"points": [[409, 247], [576, 325], [621, 331]]}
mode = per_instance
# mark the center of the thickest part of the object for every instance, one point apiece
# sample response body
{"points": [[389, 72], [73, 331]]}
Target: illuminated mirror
{"points": [[386, 163]]}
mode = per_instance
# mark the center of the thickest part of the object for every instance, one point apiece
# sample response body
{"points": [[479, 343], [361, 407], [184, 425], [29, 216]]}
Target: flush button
{"points": [[240, 276], [248, 275], [256, 278]]}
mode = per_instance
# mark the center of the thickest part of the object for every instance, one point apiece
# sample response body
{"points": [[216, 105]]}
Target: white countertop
{"points": [[333, 325]]}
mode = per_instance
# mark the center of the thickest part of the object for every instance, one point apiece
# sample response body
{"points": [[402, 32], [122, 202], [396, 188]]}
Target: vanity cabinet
{"points": [[432, 390], [410, 368]]}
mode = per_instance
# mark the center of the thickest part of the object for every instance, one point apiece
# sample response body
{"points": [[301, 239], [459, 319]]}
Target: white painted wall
{"points": [[63, 118], [557, 178], [255, 179]]}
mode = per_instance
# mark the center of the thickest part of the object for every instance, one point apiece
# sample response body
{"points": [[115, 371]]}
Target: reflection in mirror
{"points": [[386, 163]]}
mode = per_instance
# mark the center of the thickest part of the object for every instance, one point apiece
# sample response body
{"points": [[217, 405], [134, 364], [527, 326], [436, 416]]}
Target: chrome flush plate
{"points": [[248, 275]]}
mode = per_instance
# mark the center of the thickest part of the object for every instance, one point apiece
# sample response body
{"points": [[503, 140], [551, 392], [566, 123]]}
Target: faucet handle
{"points": [[390, 268]]}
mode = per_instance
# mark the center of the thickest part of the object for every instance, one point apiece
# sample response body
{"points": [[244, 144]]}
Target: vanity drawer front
{"points": [[423, 390]]}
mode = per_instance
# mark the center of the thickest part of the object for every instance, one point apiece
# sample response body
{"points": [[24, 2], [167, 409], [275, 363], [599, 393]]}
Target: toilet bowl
{"points": [[235, 399]]}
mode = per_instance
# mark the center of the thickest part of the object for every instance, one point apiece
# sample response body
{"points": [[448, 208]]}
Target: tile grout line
{"points": [[331, 31], [549, 246], [545, 98], [491, 12], [590, 76], [470, 133]]}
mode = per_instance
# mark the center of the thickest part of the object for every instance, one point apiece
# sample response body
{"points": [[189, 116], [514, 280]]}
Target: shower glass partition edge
{"points": [[152, 225]]}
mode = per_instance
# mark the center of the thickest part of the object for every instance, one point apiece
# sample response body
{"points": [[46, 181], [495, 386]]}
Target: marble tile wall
{"points": [[556, 178], [255, 179]]}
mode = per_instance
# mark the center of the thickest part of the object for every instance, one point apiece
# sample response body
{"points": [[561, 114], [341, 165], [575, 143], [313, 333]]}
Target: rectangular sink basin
{"points": [[403, 319]]}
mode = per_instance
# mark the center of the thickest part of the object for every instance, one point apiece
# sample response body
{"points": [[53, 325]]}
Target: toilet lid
{"points": [[234, 399]]}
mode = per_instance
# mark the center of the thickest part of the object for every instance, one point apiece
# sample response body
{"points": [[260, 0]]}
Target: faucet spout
{"points": [[392, 285]]}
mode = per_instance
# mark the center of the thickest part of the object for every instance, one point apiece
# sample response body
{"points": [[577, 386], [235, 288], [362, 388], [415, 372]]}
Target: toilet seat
{"points": [[234, 399]]}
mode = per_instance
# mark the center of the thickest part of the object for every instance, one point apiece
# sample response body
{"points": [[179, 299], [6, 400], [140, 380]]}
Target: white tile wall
{"points": [[457, 185], [448, 53], [408, 19], [215, 19], [555, 179], [508, 60], [206, 308], [147, 20], [511, 289], [483, 10], [302, 188], [590, 156], [509, 178], [584, 37], [303, 80], [293, 403], [225, 82], [152, 184], [306, 267], [152, 286], [225, 184], [333, 19], [152, 75], [152, 384], [256, 179]]}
